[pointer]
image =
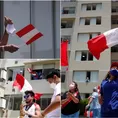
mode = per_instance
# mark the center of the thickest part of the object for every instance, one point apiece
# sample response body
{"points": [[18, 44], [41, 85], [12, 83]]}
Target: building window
{"points": [[44, 102], [40, 74], [114, 48], [68, 10], [67, 24], [14, 102], [114, 20], [91, 6], [90, 21], [84, 37], [66, 37], [85, 76], [87, 21], [88, 7], [94, 7], [98, 21], [114, 9], [83, 56], [12, 72]]}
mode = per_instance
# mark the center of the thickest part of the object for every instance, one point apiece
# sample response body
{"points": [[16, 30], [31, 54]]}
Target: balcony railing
{"points": [[68, 11]]}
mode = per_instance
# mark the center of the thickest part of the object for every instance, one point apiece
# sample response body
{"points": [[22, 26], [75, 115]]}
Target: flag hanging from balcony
{"points": [[29, 34], [64, 55], [21, 83], [102, 42]]}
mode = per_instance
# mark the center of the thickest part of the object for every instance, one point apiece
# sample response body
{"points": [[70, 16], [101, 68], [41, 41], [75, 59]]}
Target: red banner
{"points": [[64, 55]]}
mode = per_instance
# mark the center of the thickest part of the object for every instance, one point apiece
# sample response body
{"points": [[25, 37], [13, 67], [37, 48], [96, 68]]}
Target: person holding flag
{"points": [[3, 43], [31, 109], [70, 102]]}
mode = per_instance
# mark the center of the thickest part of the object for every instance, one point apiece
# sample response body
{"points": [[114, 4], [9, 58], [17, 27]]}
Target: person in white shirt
{"points": [[94, 103], [31, 109], [54, 109]]}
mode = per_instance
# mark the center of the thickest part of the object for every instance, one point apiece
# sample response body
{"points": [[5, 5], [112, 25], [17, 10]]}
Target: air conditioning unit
{"points": [[2, 102]]}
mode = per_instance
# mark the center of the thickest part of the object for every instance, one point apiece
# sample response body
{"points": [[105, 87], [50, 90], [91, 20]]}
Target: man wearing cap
{"points": [[93, 101], [31, 109], [3, 43], [54, 109]]}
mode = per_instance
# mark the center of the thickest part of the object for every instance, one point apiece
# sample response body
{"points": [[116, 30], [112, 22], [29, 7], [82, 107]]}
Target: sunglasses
{"points": [[26, 96]]}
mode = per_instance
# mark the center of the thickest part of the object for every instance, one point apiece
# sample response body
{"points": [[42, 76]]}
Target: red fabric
{"points": [[64, 55], [25, 30], [114, 64], [97, 45], [86, 114], [19, 81], [34, 38], [37, 96]]}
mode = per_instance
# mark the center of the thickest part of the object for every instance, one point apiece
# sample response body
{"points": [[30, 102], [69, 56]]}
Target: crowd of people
{"points": [[103, 103]]}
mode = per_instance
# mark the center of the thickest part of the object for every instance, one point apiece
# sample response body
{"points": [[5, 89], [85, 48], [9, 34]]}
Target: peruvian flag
{"points": [[64, 55], [101, 42], [29, 34], [32, 72], [21, 83]]}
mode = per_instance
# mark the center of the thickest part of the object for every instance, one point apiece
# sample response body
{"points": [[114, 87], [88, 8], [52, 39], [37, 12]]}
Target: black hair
{"points": [[52, 73], [30, 92], [76, 86]]}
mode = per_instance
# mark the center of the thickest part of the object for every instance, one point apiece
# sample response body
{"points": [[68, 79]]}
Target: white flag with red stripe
{"points": [[22, 84], [29, 34], [102, 42]]}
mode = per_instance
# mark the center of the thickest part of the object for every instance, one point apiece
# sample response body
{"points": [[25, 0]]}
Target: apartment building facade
{"points": [[81, 21], [45, 16], [12, 95]]}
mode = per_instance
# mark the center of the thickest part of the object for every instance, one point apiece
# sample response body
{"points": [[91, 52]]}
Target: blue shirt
{"points": [[109, 91]]}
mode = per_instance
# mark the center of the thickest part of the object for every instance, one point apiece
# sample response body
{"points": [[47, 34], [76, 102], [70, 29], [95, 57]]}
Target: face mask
{"points": [[114, 72], [71, 86], [52, 85]]}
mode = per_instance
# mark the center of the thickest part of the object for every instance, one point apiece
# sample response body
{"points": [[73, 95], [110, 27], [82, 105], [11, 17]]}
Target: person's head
{"points": [[114, 65], [95, 89], [29, 96], [73, 87], [53, 77], [113, 73]]}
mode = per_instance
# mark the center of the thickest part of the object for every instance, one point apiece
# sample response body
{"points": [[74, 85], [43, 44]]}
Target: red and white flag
{"points": [[21, 83], [29, 34], [101, 42], [32, 72]]}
